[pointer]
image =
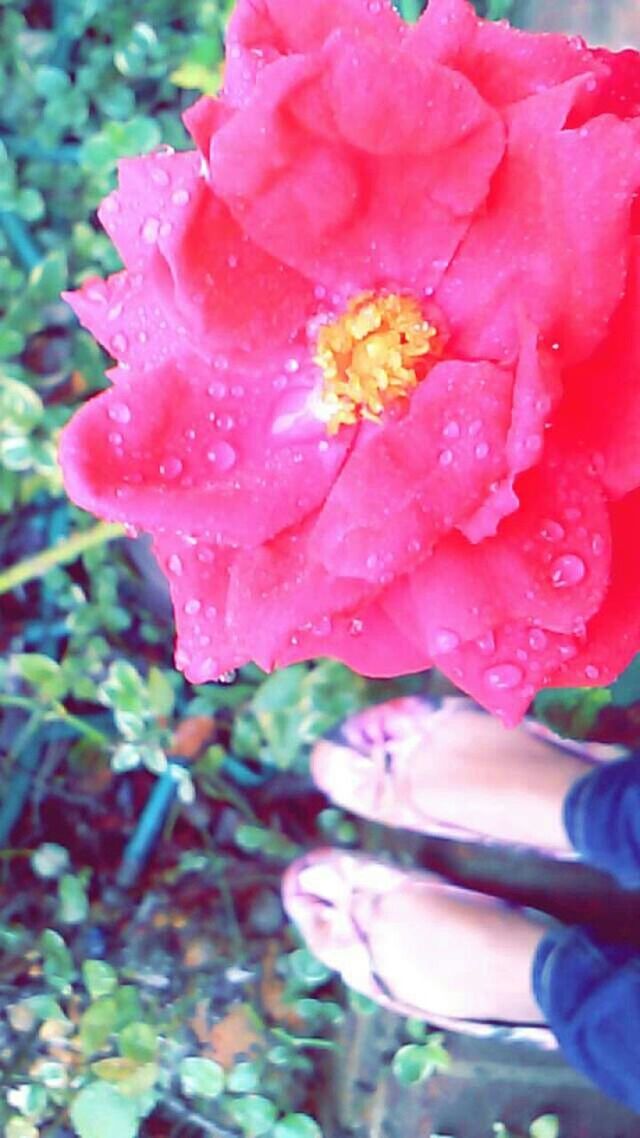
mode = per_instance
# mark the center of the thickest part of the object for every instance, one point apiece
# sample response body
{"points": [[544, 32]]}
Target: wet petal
{"points": [[191, 447], [558, 256]]}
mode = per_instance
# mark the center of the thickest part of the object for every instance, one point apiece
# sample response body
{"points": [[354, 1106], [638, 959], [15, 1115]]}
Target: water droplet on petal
{"points": [[537, 639], [192, 606], [205, 554], [150, 230], [180, 197], [115, 311], [355, 626], [159, 176], [597, 544], [292, 365], [444, 640], [567, 570], [552, 531], [452, 430], [119, 412], [237, 391], [482, 450], [475, 427], [115, 438], [119, 342], [174, 565], [591, 672], [486, 643], [504, 677], [217, 389], [222, 455], [225, 422], [171, 467], [445, 458], [232, 261]]}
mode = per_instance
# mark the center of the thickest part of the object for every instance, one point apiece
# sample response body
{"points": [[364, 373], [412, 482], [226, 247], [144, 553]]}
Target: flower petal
{"points": [[191, 448], [262, 31], [365, 639], [234, 296], [504, 63], [504, 672], [198, 576], [408, 482], [602, 404], [613, 633], [548, 565], [126, 315], [297, 173], [541, 249]]}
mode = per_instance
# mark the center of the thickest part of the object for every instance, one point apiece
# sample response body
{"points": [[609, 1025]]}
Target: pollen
{"points": [[375, 353]]}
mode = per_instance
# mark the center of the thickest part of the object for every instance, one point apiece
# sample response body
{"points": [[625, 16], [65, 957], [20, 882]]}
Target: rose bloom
{"points": [[377, 342]]}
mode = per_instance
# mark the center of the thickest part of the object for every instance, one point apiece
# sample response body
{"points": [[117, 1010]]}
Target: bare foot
{"points": [[413, 943], [408, 763]]}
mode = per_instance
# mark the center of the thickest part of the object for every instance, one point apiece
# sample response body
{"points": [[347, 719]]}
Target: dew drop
{"points": [[222, 455], [475, 427], [225, 422], [567, 570], [205, 555], [115, 438], [119, 342], [180, 197], [486, 643], [171, 467], [355, 627], [237, 391], [142, 337], [537, 639], [597, 544], [452, 430], [292, 365], [119, 412], [115, 311], [591, 672], [217, 389], [504, 677], [174, 565], [192, 606], [165, 228], [445, 458], [481, 450], [552, 531], [150, 230], [444, 640], [159, 176], [232, 261]]}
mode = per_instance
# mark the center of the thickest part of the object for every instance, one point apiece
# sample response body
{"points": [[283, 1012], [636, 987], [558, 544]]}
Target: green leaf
{"points": [[545, 1126], [297, 1126], [73, 903], [307, 970], [132, 1079], [58, 966], [280, 690], [49, 277], [100, 1111], [98, 1023], [201, 1078], [254, 1114], [43, 673], [19, 1127], [412, 1064], [161, 693], [138, 1041], [244, 1078], [21, 408], [626, 690], [100, 978]]}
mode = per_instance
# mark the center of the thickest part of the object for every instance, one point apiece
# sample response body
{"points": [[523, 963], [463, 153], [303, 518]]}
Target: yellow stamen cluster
{"points": [[373, 354]]}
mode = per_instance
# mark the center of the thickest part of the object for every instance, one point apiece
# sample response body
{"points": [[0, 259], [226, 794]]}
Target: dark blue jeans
{"points": [[589, 991]]}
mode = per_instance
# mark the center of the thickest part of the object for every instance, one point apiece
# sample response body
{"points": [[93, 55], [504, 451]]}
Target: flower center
{"points": [[375, 353]]}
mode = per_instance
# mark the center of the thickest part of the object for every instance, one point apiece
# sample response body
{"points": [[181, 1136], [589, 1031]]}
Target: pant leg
{"points": [[602, 819], [590, 996]]}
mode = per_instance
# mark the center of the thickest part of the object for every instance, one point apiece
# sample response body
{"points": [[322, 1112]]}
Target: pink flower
{"points": [[377, 349]]}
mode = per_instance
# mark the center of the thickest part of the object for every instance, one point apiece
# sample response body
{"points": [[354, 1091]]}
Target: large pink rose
{"points": [[378, 348]]}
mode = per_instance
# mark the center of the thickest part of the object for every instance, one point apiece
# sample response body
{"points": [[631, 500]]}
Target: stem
{"points": [[57, 710], [19, 784], [149, 826], [60, 554], [19, 237]]}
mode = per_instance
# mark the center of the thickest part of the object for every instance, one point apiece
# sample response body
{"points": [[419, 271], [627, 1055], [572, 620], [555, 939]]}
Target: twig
{"points": [[191, 1118], [60, 554]]}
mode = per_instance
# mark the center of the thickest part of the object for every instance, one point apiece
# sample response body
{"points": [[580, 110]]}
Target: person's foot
{"points": [[452, 767], [414, 944]]}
